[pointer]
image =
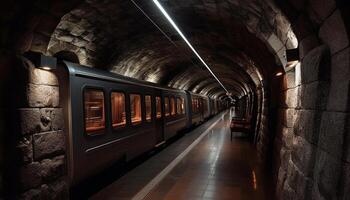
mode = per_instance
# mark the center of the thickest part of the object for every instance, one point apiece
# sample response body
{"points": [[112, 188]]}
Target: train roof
{"points": [[84, 71]]}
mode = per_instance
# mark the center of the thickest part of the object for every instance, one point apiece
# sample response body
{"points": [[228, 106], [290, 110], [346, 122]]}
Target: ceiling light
{"points": [[166, 15]]}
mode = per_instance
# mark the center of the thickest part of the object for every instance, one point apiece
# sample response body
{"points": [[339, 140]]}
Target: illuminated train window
{"points": [[159, 107], [195, 105], [118, 109], [166, 106], [198, 103], [94, 110], [172, 106], [135, 108], [148, 103], [183, 105], [178, 106]]}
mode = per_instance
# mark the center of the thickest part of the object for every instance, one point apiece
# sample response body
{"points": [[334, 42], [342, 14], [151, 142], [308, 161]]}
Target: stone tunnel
{"points": [[284, 65]]}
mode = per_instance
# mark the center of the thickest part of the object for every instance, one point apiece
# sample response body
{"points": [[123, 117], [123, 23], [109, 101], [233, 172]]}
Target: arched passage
{"points": [[244, 42]]}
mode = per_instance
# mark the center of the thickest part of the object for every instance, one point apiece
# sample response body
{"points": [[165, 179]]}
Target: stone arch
{"points": [[67, 55], [67, 50]]}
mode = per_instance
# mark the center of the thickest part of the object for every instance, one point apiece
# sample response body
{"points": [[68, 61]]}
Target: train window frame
{"points": [[151, 101], [141, 107], [166, 111], [101, 131], [125, 109], [160, 98], [172, 106]]}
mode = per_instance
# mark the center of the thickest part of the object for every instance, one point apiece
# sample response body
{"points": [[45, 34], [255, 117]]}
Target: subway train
{"points": [[109, 117]]}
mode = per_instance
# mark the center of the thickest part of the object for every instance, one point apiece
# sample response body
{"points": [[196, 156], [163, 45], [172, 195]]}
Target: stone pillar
{"points": [[37, 169], [263, 134]]}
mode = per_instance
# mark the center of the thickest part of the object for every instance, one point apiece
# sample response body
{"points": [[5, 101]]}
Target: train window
{"points": [[183, 105], [172, 106], [194, 105], [159, 107], [94, 110], [135, 108], [148, 107], [178, 106], [199, 105], [166, 106], [118, 109]]}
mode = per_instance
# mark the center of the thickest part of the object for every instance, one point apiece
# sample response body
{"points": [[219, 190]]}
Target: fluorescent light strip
{"points": [[160, 7]]}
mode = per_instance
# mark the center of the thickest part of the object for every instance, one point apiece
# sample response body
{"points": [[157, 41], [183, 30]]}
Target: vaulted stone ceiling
{"points": [[243, 41]]}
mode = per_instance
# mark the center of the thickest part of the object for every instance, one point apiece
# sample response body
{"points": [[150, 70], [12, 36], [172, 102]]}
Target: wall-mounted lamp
{"points": [[279, 74], [292, 57], [41, 61]]}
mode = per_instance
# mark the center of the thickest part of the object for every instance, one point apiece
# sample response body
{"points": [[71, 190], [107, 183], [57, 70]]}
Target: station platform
{"points": [[203, 164]]}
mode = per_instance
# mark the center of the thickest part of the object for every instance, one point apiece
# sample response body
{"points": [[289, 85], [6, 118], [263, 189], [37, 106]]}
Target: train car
{"points": [[216, 109], [196, 111], [175, 112], [109, 117], [206, 107], [212, 107]]}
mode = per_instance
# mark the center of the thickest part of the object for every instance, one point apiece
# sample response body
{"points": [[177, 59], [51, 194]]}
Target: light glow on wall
{"points": [[46, 68]]}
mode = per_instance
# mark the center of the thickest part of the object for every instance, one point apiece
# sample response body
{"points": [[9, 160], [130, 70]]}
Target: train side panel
{"points": [[93, 152], [188, 110], [175, 113], [206, 108]]}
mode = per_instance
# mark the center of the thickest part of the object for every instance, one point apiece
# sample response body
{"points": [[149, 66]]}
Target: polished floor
{"points": [[215, 168]]}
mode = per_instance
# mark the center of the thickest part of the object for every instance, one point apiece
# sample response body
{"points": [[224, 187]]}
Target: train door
{"points": [[159, 118], [188, 107]]}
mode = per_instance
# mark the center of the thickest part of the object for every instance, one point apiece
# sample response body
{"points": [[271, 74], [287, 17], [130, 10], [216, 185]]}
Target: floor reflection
{"points": [[216, 169]]}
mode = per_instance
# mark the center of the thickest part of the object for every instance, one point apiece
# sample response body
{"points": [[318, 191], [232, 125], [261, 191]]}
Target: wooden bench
{"points": [[240, 125]]}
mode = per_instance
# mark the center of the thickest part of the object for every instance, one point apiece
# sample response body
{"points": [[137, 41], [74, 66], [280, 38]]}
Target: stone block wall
{"points": [[312, 142], [40, 161], [34, 157], [263, 139]]}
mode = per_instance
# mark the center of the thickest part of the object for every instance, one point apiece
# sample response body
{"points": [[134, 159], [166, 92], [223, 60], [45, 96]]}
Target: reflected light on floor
{"points": [[215, 153], [254, 180]]}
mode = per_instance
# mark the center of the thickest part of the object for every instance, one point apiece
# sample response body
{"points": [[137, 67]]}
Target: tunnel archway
{"points": [[67, 55], [106, 35]]}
